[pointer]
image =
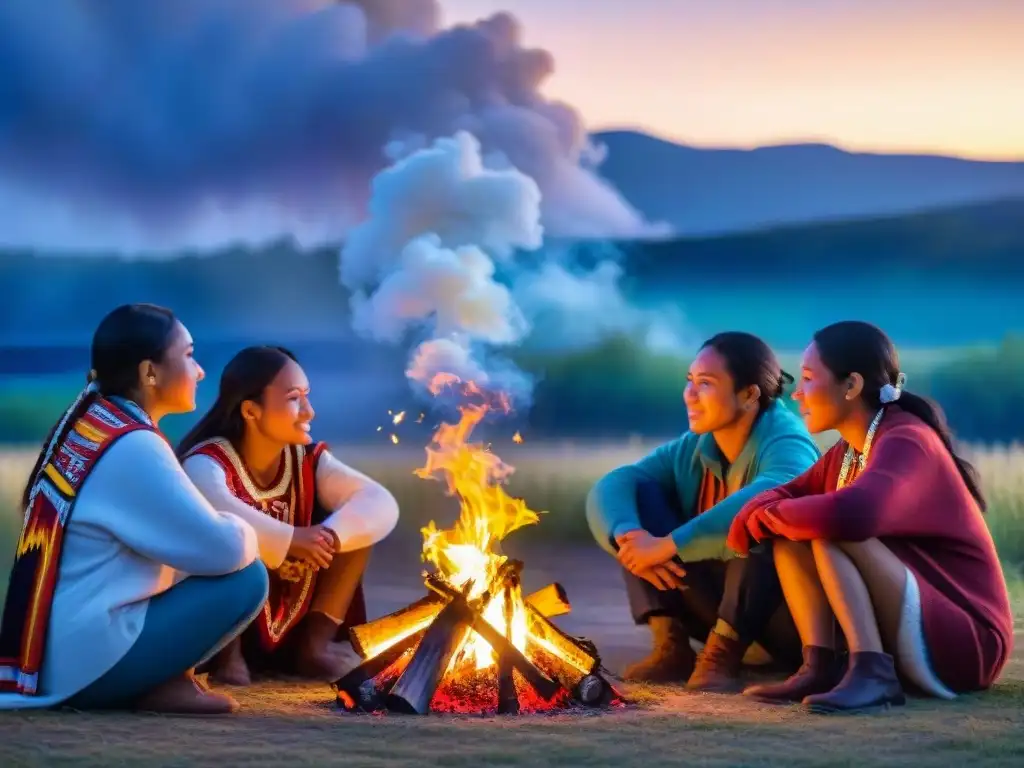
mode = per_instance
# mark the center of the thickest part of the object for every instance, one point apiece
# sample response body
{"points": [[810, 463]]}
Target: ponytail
{"points": [[931, 414]]}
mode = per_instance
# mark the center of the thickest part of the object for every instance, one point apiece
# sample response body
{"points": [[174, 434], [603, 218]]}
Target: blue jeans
{"points": [[185, 626]]}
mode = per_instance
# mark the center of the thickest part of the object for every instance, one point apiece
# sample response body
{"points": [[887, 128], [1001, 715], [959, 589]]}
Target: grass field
{"points": [[295, 723], [555, 479]]}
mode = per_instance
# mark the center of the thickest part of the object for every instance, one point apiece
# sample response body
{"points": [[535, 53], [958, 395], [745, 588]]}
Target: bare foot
{"points": [[185, 696]]}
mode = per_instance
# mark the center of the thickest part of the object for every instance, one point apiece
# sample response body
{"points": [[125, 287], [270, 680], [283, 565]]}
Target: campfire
{"points": [[473, 643]]}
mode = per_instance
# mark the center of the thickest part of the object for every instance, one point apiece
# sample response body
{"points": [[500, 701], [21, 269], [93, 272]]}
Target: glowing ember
{"points": [[517, 438]]}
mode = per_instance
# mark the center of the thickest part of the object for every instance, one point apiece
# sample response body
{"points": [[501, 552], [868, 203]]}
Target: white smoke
{"points": [[423, 266], [169, 124], [422, 260]]}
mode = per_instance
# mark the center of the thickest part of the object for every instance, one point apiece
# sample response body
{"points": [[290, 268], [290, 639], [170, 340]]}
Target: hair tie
{"points": [[890, 393], [784, 379]]}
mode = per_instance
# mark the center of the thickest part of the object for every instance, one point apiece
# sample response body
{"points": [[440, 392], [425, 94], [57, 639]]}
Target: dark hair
{"points": [[750, 361], [853, 346], [125, 338], [245, 377]]}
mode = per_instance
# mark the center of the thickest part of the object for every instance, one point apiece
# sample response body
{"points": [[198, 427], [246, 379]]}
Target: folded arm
{"points": [[612, 502], [881, 501], [786, 459], [165, 517], [364, 511]]}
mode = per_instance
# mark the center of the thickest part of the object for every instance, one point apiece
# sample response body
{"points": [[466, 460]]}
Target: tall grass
{"points": [[555, 479]]}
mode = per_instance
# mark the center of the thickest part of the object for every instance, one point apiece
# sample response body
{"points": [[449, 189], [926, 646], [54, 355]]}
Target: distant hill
{"points": [[956, 262], [712, 191], [970, 241]]}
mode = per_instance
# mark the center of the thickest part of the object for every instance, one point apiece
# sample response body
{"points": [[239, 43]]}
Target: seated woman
{"points": [[666, 518], [125, 577], [885, 535], [316, 518]]}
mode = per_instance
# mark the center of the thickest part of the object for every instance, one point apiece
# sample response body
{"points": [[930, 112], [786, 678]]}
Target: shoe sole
{"points": [[818, 709]]}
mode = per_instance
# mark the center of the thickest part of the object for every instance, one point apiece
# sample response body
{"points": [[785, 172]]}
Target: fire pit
{"points": [[473, 643]]}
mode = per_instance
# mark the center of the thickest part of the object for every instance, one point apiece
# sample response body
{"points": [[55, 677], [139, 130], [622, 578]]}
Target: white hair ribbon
{"points": [[891, 393]]}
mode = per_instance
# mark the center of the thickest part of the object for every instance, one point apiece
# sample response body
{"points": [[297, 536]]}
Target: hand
{"points": [[639, 551], [313, 545], [665, 577]]}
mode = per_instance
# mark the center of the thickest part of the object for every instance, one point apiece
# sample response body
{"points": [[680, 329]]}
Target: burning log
{"points": [[356, 689], [372, 638], [508, 699], [569, 658], [550, 601], [545, 687], [415, 688]]}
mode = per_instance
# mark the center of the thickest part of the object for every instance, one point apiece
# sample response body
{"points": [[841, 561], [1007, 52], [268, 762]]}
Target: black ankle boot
{"points": [[869, 683], [821, 672]]}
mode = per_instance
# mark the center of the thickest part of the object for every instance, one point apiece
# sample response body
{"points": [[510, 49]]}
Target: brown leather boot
{"points": [[869, 683], [820, 673], [671, 659], [185, 696], [718, 665]]}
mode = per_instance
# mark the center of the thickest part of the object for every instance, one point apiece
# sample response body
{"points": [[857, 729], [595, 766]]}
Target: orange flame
{"points": [[487, 514]]}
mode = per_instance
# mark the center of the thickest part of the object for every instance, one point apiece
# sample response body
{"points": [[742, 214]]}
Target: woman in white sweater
{"points": [[316, 518], [125, 577]]}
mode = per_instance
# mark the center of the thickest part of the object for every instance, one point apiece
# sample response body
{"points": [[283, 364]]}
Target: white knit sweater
{"points": [[139, 527], [364, 512]]}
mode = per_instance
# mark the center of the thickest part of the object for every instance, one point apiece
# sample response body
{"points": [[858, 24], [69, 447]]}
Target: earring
{"points": [[151, 381]]}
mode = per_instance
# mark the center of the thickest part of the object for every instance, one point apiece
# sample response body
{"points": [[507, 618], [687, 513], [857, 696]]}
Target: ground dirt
{"points": [[296, 724]]}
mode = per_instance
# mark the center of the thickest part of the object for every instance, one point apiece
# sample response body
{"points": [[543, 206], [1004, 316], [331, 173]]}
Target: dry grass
{"points": [[295, 724]]}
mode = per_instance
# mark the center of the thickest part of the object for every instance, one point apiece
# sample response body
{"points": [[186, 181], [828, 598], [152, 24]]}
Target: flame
{"points": [[517, 438], [468, 552]]}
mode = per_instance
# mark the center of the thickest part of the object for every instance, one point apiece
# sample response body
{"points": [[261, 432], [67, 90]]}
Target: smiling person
{"points": [[666, 518], [125, 578], [885, 535], [316, 518]]}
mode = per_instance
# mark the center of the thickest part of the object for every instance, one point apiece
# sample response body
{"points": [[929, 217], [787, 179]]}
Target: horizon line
{"points": [[681, 140]]}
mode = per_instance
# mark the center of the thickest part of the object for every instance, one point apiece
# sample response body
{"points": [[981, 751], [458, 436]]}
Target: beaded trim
{"points": [[844, 472], [243, 472]]}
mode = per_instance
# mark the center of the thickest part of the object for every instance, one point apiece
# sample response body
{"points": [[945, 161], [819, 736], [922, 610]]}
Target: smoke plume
{"points": [[158, 125], [424, 266]]}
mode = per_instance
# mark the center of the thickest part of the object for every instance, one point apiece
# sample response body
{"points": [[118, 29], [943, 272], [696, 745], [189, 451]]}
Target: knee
{"points": [[251, 586], [599, 528]]}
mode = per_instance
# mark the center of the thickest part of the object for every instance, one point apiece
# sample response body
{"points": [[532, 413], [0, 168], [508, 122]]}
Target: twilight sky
{"points": [[942, 76]]}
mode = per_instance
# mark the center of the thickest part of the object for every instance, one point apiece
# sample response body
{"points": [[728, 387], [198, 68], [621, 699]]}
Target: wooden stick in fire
{"points": [[546, 687], [381, 633], [508, 699], [415, 688], [551, 600]]}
